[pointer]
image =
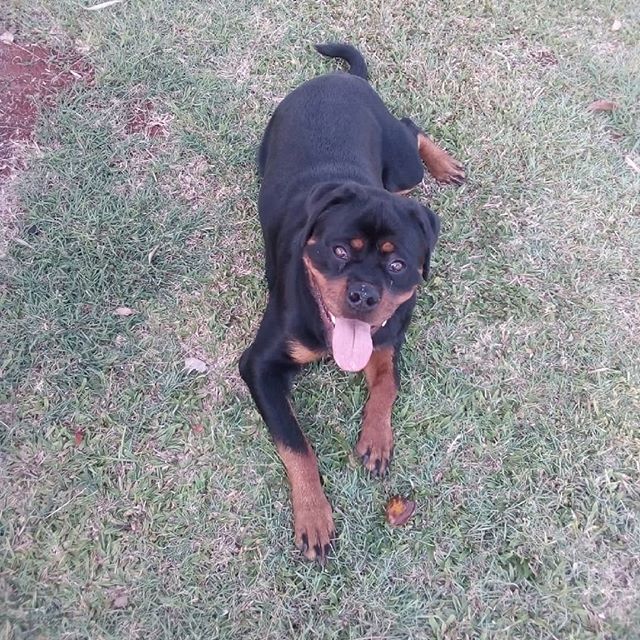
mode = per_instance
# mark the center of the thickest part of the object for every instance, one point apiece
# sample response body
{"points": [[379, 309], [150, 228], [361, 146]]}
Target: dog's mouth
{"points": [[351, 343], [351, 340]]}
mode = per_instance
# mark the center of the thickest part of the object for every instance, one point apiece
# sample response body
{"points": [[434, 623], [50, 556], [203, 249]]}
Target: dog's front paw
{"points": [[314, 529], [375, 448]]}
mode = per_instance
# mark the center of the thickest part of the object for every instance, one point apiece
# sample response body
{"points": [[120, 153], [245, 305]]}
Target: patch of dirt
{"points": [[142, 118], [192, 183], [30, 76], [544, 57]]}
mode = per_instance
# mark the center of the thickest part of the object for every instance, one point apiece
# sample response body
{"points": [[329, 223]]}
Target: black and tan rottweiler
{"points": [[345, 252]]}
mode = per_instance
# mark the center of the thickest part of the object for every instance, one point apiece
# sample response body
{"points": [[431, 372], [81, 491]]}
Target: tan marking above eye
{"points": [[357, 243], [387, 247]]}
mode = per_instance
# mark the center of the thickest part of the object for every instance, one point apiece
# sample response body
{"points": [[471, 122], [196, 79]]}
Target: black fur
{"points": [[357, 65], [331, 158]]}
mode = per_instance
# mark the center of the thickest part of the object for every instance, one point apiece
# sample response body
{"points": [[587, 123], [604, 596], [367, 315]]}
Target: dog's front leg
{"points": [[375, 445], [268, 373]]}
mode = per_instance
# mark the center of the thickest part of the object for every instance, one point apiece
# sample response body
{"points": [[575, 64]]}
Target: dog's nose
{"points": [[362, 296]]}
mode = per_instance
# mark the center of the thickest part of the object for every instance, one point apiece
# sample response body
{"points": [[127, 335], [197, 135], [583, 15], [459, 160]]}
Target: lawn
{"points": [[142, 501]]}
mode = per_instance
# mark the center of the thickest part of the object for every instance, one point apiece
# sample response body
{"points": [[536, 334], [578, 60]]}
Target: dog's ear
{"points": [[320, 198], [429, 226]]}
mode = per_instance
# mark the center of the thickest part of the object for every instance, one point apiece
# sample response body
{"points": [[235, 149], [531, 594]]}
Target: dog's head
{"points": [[365, 251]]}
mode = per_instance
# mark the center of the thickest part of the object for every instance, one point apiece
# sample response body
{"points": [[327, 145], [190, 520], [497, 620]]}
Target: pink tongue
{"points": [[352, 345]]}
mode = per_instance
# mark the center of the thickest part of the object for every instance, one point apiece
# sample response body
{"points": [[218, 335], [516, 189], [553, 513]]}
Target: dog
{"points": [[345, 251]]}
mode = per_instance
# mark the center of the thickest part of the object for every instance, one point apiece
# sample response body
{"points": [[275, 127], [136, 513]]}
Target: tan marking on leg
{"points": [[375, 444], [303, 355], [312, 517], [442, 166], [357, 243]]}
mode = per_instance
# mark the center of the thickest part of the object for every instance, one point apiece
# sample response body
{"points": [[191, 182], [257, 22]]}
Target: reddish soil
{"points": [[142, 119], [30, 76]]}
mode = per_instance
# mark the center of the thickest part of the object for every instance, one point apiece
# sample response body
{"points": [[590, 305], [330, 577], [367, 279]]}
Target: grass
{"points": [[517, 423]]}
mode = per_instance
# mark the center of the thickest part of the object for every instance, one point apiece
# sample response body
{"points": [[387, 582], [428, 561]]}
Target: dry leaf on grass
{"points": [[23, 243], [399, 510], [103, 5], [603, 105], [632, 163], [123, 312], [120, 602], [616, 26], [194, 364], [152, 254], [6, 37], [78, 437], [197, 429]]}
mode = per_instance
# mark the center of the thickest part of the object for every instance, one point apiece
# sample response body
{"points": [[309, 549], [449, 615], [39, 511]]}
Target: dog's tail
{"points": [[357, 65]]}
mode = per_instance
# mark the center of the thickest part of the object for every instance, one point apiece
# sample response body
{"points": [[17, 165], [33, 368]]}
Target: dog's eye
{"points": [[396, 266], [341, 252]]}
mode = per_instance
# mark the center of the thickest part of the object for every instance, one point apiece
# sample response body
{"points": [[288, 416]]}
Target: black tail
{"points": [[357, 65]]}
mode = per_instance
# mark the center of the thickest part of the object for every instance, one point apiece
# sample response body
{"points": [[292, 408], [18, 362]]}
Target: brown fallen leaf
{"points": [[120, 602], [78, 437], [399, 510], [123, 312], [632, 163], [82, 47], [197, 429], [598, 106], [616, 26], [103, 5], [194, 364]]}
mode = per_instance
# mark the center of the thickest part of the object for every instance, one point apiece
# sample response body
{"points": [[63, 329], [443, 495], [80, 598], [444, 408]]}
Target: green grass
{"points": [[517, 424]]}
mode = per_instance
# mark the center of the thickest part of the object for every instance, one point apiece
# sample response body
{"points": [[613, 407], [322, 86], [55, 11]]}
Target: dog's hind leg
{"points": [[440, 164]]}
